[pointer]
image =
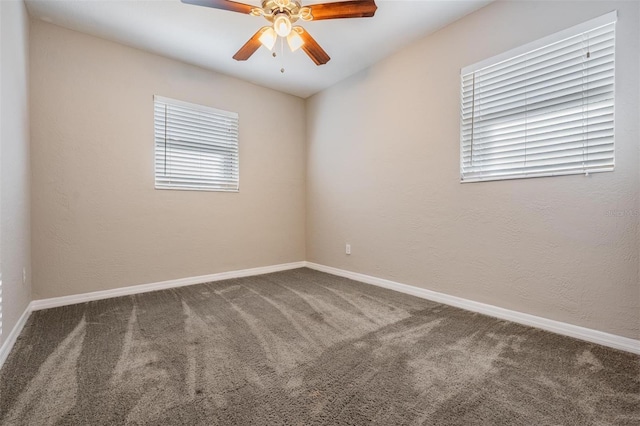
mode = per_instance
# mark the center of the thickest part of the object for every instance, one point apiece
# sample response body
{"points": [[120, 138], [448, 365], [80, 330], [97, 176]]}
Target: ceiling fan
{"points": [[282, 14]]}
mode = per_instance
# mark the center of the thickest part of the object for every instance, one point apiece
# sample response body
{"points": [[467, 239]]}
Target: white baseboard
{"points": [[582, 333], [55, 302], [6, 347]]}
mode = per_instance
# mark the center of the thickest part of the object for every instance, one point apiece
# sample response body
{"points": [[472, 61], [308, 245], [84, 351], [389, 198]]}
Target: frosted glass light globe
{"points": [[282, 25]]}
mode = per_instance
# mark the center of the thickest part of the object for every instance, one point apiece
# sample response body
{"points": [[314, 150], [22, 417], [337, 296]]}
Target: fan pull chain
{"points": [[282, 54]]}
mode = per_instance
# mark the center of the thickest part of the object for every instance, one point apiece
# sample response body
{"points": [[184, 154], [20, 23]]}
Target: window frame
{"points": [[195, 108]]}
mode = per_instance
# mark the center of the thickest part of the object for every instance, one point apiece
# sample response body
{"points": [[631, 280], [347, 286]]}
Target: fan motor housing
{"points": [[272, 8]]}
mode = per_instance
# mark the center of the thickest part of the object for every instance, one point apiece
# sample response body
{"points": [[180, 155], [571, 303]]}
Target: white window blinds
{"points": [[196, 147], [542, 110]]}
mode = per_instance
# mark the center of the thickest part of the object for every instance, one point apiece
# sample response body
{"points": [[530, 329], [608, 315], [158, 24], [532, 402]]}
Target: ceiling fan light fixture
{"points": [[294, 41], [282, 25], [268, 38], [282, 14]]}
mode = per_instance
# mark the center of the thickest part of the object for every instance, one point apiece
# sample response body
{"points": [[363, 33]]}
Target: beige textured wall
{"points": [[383, 175], [14, 163], [98, 223]]}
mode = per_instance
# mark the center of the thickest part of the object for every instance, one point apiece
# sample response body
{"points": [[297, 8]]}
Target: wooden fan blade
{"points": [[222, 4], [343, 9], [312, 48], [250, 46]]}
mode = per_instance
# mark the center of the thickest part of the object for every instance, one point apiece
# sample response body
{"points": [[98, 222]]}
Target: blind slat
{"points": [[550, 137]]}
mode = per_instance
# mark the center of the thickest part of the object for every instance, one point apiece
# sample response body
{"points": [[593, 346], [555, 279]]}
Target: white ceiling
{"points": [[209, 37]]}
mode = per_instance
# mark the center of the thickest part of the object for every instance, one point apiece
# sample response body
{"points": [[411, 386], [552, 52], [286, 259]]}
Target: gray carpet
{"points": [[304, 348]]}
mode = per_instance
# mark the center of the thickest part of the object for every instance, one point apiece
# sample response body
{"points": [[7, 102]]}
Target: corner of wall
{"points": [[15, 196]]}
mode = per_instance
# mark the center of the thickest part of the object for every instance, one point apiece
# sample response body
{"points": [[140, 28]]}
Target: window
{"points": [[196, 147], [544, 109]]}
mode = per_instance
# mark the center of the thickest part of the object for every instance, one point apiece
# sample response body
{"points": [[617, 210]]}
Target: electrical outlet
{"points": [[24, 275], [347, 249]]}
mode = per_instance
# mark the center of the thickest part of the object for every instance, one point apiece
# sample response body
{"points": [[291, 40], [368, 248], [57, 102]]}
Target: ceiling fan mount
{"points": [[282, 14]]}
